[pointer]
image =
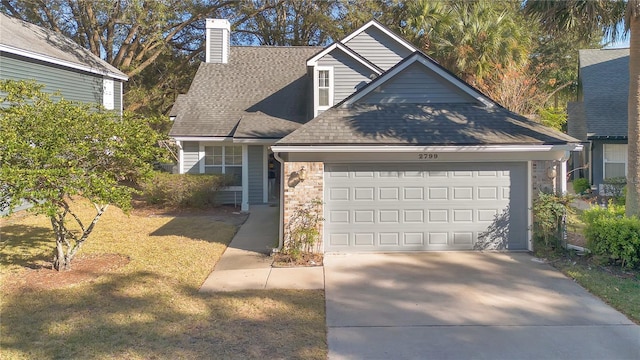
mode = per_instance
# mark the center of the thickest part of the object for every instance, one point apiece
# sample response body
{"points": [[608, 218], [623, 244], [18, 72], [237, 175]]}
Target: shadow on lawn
{"points": [[198, 229], [18, 242], [143, 315]]}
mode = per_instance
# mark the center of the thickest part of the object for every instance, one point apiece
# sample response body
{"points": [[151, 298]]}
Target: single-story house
{"points": [[599, 118], [403, 155]]}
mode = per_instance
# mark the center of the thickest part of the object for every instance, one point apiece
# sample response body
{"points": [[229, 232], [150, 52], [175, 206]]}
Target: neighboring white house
{"points": [[403, 154]]}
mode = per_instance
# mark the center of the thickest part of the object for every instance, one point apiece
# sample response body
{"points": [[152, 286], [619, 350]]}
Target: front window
{"points": [[615, 160], [224, 160]]}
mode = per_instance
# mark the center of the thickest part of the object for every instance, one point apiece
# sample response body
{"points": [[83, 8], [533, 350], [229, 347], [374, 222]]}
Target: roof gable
{"points": [[417, 84], [444, 78], [345, 49], [35, 42], [373, 25]]}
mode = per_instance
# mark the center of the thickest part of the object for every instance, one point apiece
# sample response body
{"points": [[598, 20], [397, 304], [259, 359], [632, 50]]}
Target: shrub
{"points": [[581, 185], [303, 231], [548, 212], [612, 235], [183, 190]]}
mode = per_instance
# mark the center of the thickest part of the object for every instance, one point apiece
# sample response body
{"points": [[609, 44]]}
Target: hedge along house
{"points": [[404, 155], [30, 52]]}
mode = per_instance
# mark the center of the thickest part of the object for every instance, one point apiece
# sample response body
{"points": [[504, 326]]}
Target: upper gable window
{"points": [[323, 85]]}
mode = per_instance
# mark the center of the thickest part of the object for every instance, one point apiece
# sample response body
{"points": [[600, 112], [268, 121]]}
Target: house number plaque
{"points": [[427, 156]]}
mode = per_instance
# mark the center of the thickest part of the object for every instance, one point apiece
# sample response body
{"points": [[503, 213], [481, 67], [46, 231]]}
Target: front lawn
{"points": [[135, 295]]}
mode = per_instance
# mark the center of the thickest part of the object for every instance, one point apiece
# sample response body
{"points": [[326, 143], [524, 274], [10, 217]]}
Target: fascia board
{"points": [[402, 149], [52, 60]]}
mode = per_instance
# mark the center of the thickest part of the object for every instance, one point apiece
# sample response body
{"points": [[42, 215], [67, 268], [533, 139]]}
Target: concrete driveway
{"points": [[466, 305]]}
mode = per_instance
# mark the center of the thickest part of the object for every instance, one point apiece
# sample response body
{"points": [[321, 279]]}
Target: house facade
{"points": [[402, 154], [599, 117], [30, 52]]}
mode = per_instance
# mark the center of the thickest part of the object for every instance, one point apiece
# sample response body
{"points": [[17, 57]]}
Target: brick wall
{"points": [[299, 193], [540, 180]]}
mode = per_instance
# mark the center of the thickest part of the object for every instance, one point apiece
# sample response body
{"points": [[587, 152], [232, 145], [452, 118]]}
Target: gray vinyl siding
{"points": [[378, 47], [215, 45], [417, 85], [228, 197], [190, 156], [73, 84], [348, 74], [597, 157], [256, 174]]}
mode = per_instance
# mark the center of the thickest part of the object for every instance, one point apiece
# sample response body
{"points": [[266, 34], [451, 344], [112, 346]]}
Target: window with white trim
{"points": [[615, 160], [224, 160], [108, 94], [323, 83]]}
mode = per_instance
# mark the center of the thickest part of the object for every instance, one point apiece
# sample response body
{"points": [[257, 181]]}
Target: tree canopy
{"points": [[52, 150]]}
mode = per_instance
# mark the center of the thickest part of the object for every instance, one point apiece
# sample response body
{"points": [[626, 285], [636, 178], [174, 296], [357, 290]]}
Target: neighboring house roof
{"points": [[576, 128], [422, 124], [604, 74], [32, 41], [262, 92]]}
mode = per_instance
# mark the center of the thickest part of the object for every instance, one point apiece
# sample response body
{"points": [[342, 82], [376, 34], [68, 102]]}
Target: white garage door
{"points": [[406, 207]]}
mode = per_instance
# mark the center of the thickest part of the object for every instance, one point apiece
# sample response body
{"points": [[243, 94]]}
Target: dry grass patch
{"points": [[141, 301]]}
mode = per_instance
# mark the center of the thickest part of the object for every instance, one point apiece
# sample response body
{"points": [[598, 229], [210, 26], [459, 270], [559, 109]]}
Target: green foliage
{"points": [[303, 231], [615, 187], [581, 185], [554, 117], [612, 235], [53, 150], [548, 211], [183, 190]]}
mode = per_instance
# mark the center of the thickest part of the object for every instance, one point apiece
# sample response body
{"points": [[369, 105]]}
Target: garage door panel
{"points": [[404, 207]]}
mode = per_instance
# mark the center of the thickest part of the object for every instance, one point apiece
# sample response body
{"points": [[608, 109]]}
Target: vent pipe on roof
{"points": [[217, 41]]}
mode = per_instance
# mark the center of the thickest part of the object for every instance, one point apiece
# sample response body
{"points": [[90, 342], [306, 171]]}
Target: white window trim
{"points": [[316, 96], [604, 161], [201, 154]]}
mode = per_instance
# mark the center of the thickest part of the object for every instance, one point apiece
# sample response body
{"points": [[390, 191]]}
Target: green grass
{"points": [[618, 288], [149, 308]]}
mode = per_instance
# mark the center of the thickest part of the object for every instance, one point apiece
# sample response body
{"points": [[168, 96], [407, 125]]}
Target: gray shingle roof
{"points": [[576, 125], [419, 124], [257, 80], [35, 40], [604, 74]]}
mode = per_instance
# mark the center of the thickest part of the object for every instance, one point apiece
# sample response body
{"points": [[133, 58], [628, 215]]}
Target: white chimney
{"points": [[217, 47]]}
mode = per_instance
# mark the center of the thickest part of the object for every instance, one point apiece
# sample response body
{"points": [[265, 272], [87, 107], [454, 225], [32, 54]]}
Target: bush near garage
{"points": [[581, 186], [548, 212], [183, 190], [612, 236]]}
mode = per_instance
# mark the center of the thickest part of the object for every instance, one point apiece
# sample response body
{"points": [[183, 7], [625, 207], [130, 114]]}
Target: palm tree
{"points": [[606, 15]]}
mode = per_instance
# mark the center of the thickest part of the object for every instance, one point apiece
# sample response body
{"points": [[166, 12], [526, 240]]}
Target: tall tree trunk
{"points": [[633, 158]]}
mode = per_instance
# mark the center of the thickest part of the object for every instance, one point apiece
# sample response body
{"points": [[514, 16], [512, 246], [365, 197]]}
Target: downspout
{"points": [[281, 224]]}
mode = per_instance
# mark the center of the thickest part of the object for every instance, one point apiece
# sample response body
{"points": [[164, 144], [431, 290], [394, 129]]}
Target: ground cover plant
{"points": [[136, 295]]}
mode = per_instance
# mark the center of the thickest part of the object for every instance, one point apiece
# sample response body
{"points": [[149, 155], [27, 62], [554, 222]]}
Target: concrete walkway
{"points": [[246, 263]]}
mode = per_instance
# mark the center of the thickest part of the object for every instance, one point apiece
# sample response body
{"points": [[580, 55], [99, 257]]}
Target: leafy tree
{"points": [[603, 15], [52, 150], [287, 22]]}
